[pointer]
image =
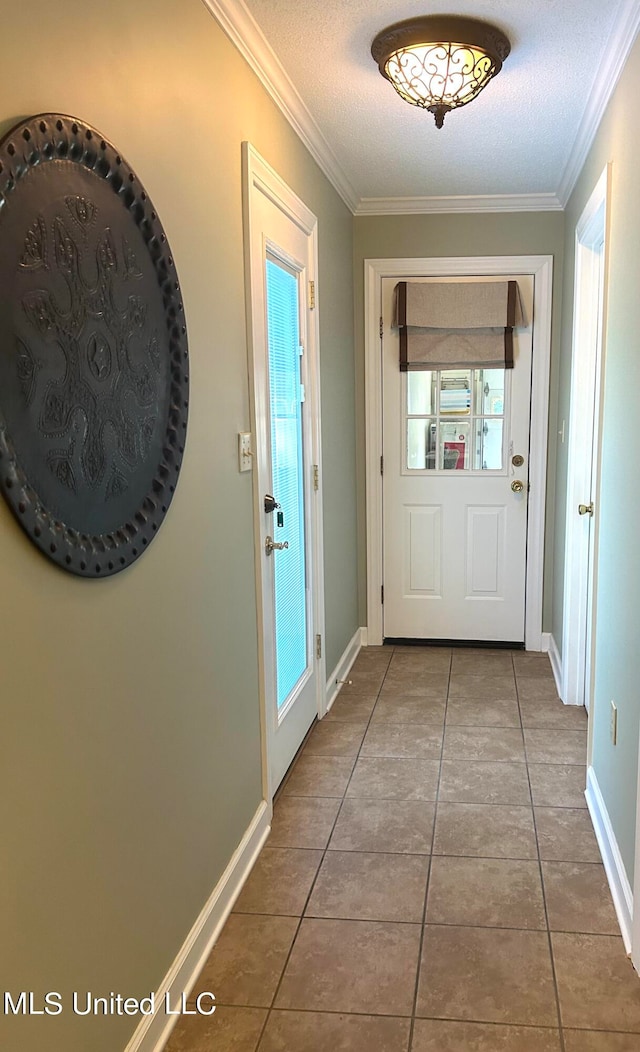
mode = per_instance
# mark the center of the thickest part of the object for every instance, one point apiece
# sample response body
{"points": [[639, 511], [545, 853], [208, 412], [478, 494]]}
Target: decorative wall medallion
{"points": [[93, 349]]}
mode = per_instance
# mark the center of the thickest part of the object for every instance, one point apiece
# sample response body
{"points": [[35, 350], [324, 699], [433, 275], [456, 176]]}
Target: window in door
{"points": [[287, 466], [454, 420]]}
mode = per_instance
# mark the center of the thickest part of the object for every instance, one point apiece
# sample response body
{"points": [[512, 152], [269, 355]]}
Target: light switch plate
{"points": [[245, 453]]}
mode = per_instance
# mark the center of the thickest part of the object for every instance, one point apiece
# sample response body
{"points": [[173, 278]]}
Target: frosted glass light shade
{"points": [[440, 63]]}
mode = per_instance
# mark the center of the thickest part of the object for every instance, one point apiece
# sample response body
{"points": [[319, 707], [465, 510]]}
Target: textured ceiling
{"points": [[515, 139]]}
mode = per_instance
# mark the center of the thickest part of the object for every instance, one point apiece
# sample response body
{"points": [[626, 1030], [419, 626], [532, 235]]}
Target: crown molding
{"points": [[616, 54], [243, 31], [388, 206]]}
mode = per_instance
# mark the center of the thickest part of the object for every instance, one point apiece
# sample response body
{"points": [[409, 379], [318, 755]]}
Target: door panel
{"points": [[422, 567], [454, 531], [486, 550]]}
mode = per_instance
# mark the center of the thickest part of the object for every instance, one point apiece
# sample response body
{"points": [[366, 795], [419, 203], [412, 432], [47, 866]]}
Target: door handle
{"points": [[517, 486], [585, 509], [274, 546]]}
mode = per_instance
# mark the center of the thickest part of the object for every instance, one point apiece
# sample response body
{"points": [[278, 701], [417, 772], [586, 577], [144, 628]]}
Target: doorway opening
{"points": [[488, 523]]}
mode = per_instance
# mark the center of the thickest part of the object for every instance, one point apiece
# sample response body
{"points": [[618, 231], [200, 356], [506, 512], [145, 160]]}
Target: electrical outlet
{"points": [[614, 723], [245, 453]]}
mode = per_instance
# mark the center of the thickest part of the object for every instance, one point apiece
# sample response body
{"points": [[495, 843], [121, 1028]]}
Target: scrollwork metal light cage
{"points": [[440, 62]]}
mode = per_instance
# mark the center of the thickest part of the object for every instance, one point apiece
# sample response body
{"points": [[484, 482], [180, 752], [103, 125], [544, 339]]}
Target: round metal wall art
{"points": [[93, 349]]}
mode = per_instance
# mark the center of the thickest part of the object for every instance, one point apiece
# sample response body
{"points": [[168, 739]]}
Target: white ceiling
{"points": [[519, 145]]}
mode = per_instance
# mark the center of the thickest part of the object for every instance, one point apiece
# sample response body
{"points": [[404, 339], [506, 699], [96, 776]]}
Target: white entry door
{"points": [[286, 414], [455, 484], [584, 448]]}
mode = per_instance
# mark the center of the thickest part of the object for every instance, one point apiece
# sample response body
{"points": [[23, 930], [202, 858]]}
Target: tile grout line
{"points": [[448, 924], [429, 871], [544, 894], [436, 1018]]}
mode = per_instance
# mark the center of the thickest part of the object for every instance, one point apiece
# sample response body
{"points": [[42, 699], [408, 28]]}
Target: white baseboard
{"points": [[341, 671], [153, 1032], [611, 857], [556, 664]]}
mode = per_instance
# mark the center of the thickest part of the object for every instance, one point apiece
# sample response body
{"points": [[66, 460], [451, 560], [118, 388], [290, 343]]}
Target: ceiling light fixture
{"points": [[440, 62]]}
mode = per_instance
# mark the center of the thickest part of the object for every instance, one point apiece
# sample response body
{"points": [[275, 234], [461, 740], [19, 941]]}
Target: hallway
{"points": [[432, 882]]}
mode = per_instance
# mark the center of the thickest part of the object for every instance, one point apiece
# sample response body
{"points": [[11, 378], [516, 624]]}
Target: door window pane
{"points": [[489, 388], [488, 455], [421, 393], [283, 333], [455, 392], [454, 445], [421, 444]]}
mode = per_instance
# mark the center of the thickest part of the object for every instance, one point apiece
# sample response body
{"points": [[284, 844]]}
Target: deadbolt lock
{"points": [[517, 486], [585, 509], [517, 461]]}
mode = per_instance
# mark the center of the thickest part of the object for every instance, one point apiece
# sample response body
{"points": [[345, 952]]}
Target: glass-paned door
{"points": [[455, 491], [286, 395], [284, 385]]}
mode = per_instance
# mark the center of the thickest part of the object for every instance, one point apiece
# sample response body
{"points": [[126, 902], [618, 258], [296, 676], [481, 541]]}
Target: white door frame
{"points": [[585, 420], [541, 267], [635, 923], [260, 178]]}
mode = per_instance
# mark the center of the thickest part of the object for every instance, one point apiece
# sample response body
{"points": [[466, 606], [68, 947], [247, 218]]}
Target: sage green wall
{"points": [[495, 234], [130, 741], [617, 655]]}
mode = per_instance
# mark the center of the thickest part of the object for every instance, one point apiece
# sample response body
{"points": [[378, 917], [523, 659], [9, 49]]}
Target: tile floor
{"points": [[432, 882]]}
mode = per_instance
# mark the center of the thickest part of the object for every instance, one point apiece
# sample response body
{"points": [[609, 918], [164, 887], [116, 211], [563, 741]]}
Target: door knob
{"points": [[274, 546], [517, 486], [585, 509]]}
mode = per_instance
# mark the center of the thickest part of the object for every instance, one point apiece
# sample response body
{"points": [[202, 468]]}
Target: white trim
{"points": [[585, 429], [342, 669], [545, 642], [635, 935], [260, 177], [153, 1031], [556, 664], [315, 396], [611, 857], [266, 179], [541, 267], [608, 73], [387, 206], [242, 29], [538, 439]]}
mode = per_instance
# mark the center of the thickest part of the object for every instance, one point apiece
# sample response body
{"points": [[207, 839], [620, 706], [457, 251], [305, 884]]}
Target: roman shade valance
{"points": [[457, 323]]}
